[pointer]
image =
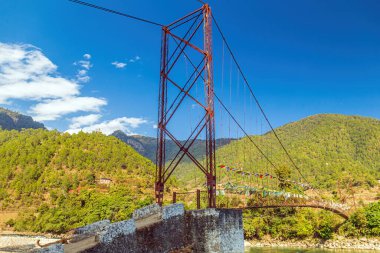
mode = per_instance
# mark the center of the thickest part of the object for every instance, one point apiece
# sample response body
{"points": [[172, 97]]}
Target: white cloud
{"points": [[87, 56], [82, 72], [86, 120], [135, 59], [56, 108], [124, 124], [84, 64], [83, 79], [37, 89], [119, 65], [27, 74], [82, 75]]}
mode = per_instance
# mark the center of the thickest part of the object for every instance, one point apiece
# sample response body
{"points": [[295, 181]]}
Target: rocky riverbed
{"points": [[20, 243], [24, 243], [336, 243]]}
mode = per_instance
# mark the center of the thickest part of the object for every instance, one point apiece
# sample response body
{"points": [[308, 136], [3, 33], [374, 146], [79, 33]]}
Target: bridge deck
{"points": [[319, 206]]}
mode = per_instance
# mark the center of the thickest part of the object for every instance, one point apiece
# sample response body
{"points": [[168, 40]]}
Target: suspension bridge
{"points": [[204, 92]]}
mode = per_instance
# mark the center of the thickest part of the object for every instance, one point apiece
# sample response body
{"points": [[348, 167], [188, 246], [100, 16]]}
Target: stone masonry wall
{"points": [[205, 231]]}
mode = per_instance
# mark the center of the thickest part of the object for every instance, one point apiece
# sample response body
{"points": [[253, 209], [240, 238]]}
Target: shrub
{"points": [[364, 222]]}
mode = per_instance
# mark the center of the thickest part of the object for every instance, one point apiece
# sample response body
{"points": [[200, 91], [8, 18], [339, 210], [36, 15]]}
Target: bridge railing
{"points": [[198, 195], [226, 199]]}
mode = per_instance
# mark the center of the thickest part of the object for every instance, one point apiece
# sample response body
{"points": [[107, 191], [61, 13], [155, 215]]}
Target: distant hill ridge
{"points": [[146, 146], [10, 120]]}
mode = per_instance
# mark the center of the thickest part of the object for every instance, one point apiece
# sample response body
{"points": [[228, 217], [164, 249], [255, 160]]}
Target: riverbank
{"points": [[10, 242], [336, 243]]}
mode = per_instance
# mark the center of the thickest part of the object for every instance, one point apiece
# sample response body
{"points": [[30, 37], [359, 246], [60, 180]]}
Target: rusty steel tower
{"points": [[197, 23]]}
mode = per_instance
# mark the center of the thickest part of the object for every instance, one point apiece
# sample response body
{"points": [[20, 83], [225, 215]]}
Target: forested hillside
{"points": [[339, 155], [10, 120], [60, 181], [328, 149]]}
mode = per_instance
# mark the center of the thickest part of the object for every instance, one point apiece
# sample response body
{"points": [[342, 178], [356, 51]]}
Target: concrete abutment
{"points": [[154, 229]]}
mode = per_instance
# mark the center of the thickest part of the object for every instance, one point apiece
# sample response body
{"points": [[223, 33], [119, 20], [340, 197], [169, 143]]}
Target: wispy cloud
{"points": [[86, 120], [84, 66], [87, 56], [119, 65], [125, 124], [27, 74], [135, 59]]}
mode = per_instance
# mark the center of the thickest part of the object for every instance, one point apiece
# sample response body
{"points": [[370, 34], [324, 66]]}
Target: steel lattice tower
{"points": [[203, 72]]}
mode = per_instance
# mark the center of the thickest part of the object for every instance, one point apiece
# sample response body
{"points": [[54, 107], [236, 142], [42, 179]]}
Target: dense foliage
{"points": [[85, 207], [57, 176], [331, 151], [290, 223], [337, 154], [364, 222]]}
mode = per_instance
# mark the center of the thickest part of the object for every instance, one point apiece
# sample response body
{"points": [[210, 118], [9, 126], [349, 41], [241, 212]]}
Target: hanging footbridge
{"points": [[316, 205], [267, 199], [205, 95]]}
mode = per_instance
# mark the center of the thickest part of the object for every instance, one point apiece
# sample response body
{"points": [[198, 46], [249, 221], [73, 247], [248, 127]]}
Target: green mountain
{"points": [[326, 148], [329, 149], [60, 181], [146, 146], [339, 155], [10, 120]]}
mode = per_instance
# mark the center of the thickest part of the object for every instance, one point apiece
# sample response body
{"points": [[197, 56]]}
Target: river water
{"points": [[294, 250]]}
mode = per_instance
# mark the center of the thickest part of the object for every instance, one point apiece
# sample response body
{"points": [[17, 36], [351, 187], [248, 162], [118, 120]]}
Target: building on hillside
{"points": [[105, 181]]}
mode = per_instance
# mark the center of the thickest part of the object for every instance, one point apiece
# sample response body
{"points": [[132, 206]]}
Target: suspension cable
{"points": [[115, 12], [255, 98], [243, 130]]}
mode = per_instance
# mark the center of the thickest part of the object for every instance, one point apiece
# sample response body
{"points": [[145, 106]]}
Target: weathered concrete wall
{"points": [[168, 235], [92, 228], [206, 231], [146, 211], [172, 211], [118, 229], [216, 230], [230, 225], [163, 236]]}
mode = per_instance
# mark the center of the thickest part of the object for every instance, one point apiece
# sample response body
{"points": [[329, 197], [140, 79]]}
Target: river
{"points": [[294, 250]]}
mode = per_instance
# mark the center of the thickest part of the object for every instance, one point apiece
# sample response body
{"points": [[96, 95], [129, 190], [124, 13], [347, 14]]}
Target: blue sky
{"points": [[301, 57]]}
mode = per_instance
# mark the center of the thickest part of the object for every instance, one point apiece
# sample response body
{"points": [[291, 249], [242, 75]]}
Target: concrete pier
{"points": [[154, 229]]}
